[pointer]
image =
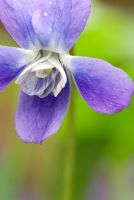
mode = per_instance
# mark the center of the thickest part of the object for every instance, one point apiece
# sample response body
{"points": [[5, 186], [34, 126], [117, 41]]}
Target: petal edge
{"points": [[36, 118], [105, 88], [12, 62]]}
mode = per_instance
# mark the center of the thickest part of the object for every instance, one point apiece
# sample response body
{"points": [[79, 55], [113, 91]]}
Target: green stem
{"points": [[68, 193]]}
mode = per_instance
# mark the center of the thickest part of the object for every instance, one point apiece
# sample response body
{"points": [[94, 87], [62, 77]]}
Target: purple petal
{"points": [[16, 16], [105, 88], [36, 118], [12, 61], [58, 23]]}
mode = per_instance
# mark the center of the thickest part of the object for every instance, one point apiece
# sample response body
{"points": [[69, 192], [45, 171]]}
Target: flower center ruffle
{"points": [[46, 75]]}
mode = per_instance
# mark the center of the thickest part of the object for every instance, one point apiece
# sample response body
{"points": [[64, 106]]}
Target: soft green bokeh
{"points": [[104, 144]]}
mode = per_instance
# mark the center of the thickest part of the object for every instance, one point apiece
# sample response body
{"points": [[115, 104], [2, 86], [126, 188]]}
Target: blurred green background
{"points": [[92, 158]]}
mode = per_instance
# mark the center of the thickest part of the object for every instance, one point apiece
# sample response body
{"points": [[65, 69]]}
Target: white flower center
{"points": [[44, 76]]}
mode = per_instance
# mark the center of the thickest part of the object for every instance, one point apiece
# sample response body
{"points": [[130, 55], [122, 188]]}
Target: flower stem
{"points": [[68, 193]]}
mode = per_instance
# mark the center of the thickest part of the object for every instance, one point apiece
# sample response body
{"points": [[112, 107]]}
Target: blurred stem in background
{"points": [[69, 166]]}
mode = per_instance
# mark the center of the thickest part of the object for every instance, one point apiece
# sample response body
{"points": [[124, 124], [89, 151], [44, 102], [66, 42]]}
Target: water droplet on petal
{"points": [[45, 14]]}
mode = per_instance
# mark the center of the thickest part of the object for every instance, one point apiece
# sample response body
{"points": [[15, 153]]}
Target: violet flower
{"points": [[46, 30]]}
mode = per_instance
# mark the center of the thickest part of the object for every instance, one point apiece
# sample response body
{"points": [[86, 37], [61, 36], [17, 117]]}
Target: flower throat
{"points": [[44, 76]]}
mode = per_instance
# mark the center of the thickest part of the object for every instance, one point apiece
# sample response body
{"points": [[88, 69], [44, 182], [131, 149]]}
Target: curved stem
{"points": [[68, 193]]}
